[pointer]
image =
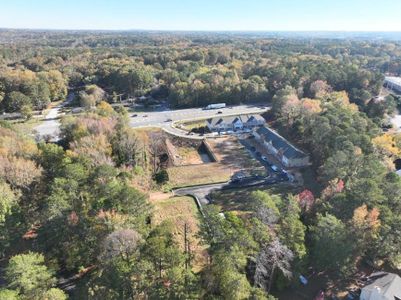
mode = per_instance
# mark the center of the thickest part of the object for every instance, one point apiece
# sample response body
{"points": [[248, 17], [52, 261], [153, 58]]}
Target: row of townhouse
{"points": [[235, 123]]}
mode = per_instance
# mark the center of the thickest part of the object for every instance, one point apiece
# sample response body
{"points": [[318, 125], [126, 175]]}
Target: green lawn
{"points": [[238, 199], [182, 176]]}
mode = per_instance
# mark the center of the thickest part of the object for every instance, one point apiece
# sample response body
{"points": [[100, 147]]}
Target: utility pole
{"points": [[186, 245]]}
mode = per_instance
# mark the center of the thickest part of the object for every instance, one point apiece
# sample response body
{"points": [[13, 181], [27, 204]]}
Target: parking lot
{"points": [[273, 167]]}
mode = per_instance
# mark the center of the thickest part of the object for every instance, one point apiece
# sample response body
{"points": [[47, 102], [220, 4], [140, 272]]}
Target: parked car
{"points": [[284, 177], [168, 120], [258, 154], [264, 158], [253, 149], [145, 116], [134, 115], [219, 112], [274, 168]]}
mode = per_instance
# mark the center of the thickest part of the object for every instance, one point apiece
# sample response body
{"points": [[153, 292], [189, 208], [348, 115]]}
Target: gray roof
{"points": [[280, 143], [251, 118], [388, 287], [233, 119]]}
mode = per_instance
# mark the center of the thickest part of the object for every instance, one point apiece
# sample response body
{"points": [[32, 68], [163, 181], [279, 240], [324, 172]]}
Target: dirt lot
{"points": [[198, 174], [232, 154], [181, 210], [189, 156]]}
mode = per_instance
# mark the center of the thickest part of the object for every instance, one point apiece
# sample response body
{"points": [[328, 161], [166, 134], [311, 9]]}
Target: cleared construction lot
{"points": [[226, 156]]}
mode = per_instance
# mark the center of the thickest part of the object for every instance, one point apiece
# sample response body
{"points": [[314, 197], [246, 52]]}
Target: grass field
{"points": [[25, 127], [238, 199], [180, 211], [192, 124], [198, 174]]}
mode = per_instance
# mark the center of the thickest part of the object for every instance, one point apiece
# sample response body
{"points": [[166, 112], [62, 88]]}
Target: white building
{"points": [[393, 83], [235, 123], [289, 155]]}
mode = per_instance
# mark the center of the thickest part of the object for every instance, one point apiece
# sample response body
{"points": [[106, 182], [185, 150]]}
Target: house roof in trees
{"points": [[280, 143], [385, 287]]}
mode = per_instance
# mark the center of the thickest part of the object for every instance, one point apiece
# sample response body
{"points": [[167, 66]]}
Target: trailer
{"points": [[215, 106]]}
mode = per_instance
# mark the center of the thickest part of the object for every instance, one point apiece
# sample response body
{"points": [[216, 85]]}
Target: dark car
{"points": [[145, 116], [168, 120], [134, 115], [258, 154], [284, 177], [253, 149], [219, 112]]}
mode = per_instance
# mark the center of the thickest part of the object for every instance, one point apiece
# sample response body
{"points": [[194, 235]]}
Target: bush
{"points": [[161, 177]]}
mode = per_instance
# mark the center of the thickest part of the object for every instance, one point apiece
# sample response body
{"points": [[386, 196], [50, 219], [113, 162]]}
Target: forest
{"points": [[80, 208], [187, 69]]}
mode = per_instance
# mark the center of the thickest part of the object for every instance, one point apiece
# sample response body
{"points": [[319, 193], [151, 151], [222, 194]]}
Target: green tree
{"points": [[9, 295], [54, 294], [27, 274], [332, 247], [15, 101], [26, 112], [291, 229], [161, 249], [7, 201]]}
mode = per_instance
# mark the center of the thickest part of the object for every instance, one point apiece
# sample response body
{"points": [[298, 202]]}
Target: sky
{"points": [[204, 15]]}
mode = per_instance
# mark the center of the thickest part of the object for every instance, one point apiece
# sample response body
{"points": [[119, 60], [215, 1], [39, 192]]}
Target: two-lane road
{"points": [[50, 124]]}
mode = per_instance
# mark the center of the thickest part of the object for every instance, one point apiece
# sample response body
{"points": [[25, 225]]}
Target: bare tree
{"points": [[121, 243], [157, 148], [266, 215], [127, 148], [275, 255]]}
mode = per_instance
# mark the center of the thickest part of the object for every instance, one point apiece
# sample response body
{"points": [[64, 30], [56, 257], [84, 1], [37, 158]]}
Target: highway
{"points": [[163, 119], [166, 119]]}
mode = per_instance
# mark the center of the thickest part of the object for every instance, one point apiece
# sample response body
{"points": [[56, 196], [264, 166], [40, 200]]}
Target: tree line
{"points": [[188, 70]]}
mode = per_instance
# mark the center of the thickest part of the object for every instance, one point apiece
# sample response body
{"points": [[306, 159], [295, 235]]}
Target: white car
{"points": [[274, 168], [264, 158]]}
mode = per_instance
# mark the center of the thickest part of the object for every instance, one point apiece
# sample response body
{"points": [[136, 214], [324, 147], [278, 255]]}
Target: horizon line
{"points": [[205, 30]]}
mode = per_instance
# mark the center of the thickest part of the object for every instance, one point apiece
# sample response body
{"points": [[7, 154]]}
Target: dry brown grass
{"points": [[198, 174], [180, 211], [143, 133], [231, 153], [193, 124], [190, 156]]}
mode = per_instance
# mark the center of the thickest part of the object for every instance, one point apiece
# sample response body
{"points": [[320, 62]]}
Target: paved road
{"points": [[396, 121], [51, 123], [163, 119], [202, 192]]}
